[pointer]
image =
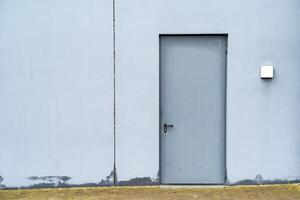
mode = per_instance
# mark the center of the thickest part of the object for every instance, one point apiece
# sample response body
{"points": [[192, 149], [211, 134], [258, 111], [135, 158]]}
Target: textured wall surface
{"points": [[262, 116], [56, 88]]}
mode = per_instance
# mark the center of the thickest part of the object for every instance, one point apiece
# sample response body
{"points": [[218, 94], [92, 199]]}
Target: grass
{"points": [[266, 192]]}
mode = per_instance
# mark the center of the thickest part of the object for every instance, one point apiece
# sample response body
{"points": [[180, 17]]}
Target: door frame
{"points": [[225, 117]]}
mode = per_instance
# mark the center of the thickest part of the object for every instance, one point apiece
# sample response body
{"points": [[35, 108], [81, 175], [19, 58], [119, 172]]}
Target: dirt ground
{"points": [[268, 192]]}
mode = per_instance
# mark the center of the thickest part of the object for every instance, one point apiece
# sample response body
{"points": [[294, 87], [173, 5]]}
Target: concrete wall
{"points": [[56, 92], [56, 88], [262, 116]]}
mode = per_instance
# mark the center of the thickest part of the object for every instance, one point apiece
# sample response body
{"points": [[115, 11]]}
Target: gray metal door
{"points": [[192, 92]]}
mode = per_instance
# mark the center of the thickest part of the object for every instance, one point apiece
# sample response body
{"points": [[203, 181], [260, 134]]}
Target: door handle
{"points": [[166, 126]]}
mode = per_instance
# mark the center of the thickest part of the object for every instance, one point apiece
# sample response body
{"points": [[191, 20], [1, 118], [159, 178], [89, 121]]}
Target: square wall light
{"points": [[266, 72]]}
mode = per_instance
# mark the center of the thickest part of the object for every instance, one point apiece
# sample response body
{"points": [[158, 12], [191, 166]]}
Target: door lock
{"points": [[166, 126]]}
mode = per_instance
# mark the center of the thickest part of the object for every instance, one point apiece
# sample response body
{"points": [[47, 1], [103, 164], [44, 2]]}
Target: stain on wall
{"points": [[139, 181], [109, 180], [259, 180], [1, 185], [49, 181]]}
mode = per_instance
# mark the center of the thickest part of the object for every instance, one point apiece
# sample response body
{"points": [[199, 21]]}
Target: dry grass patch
{"points": [[267, 192]]}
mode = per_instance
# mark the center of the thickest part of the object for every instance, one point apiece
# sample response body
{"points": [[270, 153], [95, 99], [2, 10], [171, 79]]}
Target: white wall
{"points": [[56, 91], [56, 87], [262, 116]]}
